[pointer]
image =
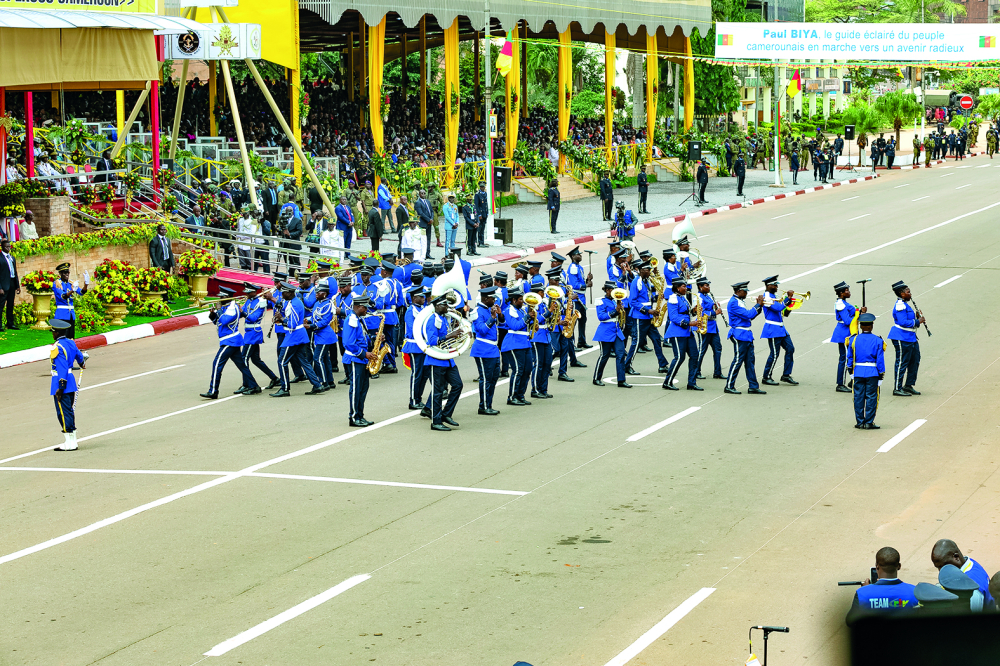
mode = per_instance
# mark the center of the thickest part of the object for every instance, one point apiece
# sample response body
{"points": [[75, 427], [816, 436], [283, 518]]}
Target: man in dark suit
{"points": [[271, 206], [161, 255], [10, 285], [643, 183], [553, 204], [105, 164], [482, 210], [315, 200], [702, 181], [402, 221], [375, 229], [425, 218], [607, 196], [292, 232], [471, 225]]}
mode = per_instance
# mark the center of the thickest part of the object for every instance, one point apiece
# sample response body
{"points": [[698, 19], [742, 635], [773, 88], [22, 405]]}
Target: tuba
{"points": [[451, 284], [660, 309], [555, 295]]}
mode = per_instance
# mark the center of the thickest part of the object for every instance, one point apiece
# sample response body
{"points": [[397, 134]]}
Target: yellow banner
{"points": [[279, 38], [120, 6]]}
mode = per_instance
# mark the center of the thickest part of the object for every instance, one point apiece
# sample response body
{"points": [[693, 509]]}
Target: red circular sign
{"points": [[965, 102]]}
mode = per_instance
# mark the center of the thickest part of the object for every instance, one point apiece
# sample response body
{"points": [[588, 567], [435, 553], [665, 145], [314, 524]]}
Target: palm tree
{"points": [[989, 106], [898, 107], [866, 120]]}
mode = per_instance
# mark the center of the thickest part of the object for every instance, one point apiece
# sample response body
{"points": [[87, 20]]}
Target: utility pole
{"points": [[488, 234]]}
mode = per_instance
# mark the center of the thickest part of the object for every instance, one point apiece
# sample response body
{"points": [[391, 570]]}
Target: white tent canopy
{"points": [[55, 19]]}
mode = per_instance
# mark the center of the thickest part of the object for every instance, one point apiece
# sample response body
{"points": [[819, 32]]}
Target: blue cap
{"points": [[866, 318], [954, 579], [557, 257], [928, 593], [488, 291], [741, 285]]}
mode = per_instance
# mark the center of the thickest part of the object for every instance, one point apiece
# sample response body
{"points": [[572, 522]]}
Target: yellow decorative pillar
{"points": [[477, 69], [451, 100], [524, 73], [423, 72], [294, 95], [609, 84], [120, 110], [376, 58], [350, 66], [688, 85], [564, 99], [364, 69], [652, 92], [514, 103], [213, 127]]}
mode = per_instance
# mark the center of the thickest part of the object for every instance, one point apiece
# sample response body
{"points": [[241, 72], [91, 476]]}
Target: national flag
{"points": [[505, 60], [987, 42], [795, 85], [407, 362], [724, 40]]}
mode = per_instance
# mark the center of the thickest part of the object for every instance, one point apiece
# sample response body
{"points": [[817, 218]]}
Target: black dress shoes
{"points": [[418, 405], [902, 394], [450, 421], [767, 381], [598, 382], [566, 378], [275, 383], [694, 387], [911, 390], [842, 389], [631, 371], [670, 387], [316, 390], [757, 392], [281, 393], [210, 396], [577, 364], [624, 385], [488, 412], [731, 391], [788, 380]]}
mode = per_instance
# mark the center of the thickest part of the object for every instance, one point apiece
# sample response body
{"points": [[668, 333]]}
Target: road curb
{"points": [[110, 338]]}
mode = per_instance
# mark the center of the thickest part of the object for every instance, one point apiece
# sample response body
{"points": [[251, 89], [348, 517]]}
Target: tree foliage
{"points": [[881, 11], [898, 107]]}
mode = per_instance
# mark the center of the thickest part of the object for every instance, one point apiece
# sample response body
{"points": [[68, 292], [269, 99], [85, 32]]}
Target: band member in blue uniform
{"points": [[542, 347], [535, 273], [227, 320], [866, 361], [295, 344], [485, 349], [277, 305], [252, 312], [711, 336], [500, 280], [775, 332], [671, 269], [552, 204], [578, 280], [740, 318], [845, 313], [418, 378], [682, 342], [387, 296], [356, 357], [63, 355], [324, 337], [906, 319], [64, 292], [342, 309], [515, 347], [443, 372], [610, 335], [641, 298], [612, 260], [562, 347]]}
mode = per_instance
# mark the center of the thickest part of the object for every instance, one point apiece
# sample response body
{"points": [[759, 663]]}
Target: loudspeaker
{"points": [[848, 132], [501, 179], [503, 229], [694, 151]]}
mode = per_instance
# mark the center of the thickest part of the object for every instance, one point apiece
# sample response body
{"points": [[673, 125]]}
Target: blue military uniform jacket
{"points": [[553, 199], [295, 328], [435, 331], [608, 329], [252, 313], [355, 340], [64, 293], [640, 297], [740, 318], [774, 322], [322, 316], [844, 312], [62, 356], [410, 345], [228, 324], [517, 329], [865, 353], [679, 314], [904, 318], [708, 308], [484, 325], [576, 279], [542, 333]]}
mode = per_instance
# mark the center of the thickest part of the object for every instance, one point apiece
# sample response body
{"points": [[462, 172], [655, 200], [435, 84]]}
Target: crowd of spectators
{"points": [[333, 125]]}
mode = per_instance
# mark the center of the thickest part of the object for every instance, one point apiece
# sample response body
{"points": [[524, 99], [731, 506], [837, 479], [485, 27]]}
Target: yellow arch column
{"points": [[652, 92], [213, 127], [609, 83], [514, 103], [376, 58], [294, 92], [564, 97], [452, 100], [688, 85]]}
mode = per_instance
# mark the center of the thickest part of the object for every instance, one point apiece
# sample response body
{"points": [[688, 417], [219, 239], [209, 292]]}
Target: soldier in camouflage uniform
{"points": [[366, 199], [928, 150], [436, 200]]}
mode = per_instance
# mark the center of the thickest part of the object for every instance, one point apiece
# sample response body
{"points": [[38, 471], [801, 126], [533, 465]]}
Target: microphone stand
{"points": [[590, 271], [767, 632]]}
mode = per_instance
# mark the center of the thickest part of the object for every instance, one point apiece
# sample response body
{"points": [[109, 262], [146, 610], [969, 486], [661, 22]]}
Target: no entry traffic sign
{"points": [[965, 102]]}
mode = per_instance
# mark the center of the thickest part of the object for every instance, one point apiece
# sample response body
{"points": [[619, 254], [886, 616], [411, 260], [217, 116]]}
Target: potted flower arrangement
{"points": [[117, 296], [165, 178], [86, 194], [131, 180], [12, 199], [114, 270], [198, 266], [106, 193], [39, 285], [152, 283]]}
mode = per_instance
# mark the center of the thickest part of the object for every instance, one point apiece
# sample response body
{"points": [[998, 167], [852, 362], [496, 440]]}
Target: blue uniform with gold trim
{"points": [[865, 358], [63, 355]]}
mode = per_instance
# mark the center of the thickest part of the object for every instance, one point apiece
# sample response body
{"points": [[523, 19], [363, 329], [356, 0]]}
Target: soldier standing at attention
{"points": [[928, 150], [553, 204], [903, 334], [865, 360], [62, 356], [436, 200], [607, 196], [740, 169], [643, 182]]}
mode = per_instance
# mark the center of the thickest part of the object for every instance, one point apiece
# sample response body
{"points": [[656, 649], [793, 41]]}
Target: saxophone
{"points": [[699, 319], [569, 322], [380, 348], [660, 309]]}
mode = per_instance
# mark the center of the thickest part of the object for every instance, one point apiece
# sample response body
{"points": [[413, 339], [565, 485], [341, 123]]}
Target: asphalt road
{"points": [[557, 534]]}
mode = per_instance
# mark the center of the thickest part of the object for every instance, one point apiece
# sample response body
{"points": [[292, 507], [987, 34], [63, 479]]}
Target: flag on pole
{"points": [[795, 85], [505, 59]]}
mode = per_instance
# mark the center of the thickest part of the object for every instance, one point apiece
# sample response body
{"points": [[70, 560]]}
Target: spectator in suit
{"points": [[105, 164], [161, 254], [425, 217], [375, 227], [10, 285], [385, 206], [292, 232], [482, 210], [471, 226], [196, 219], [402, 217], [271, 206], [345, 219]]}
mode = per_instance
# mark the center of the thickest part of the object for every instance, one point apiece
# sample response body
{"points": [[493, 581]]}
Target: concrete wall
{"points": [[51, 215]]}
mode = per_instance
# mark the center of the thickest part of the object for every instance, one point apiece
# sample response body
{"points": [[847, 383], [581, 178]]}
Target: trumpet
{"points": [[798, 300]]}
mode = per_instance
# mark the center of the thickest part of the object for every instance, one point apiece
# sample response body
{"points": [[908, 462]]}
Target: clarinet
{"points": [[723, 312], [919, 314]]}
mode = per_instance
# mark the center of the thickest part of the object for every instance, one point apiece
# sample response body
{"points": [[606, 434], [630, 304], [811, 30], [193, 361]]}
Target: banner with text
{"points": [[124, 6], [861, 41]]}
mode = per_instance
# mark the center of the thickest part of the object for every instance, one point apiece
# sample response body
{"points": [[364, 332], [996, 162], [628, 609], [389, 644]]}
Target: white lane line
{"points": [[903, 185], [906, 432], [964, 167], [773, 242], [120, 428], [781, 216], [983, 166], [850, 198], [662, 424], [859, 217], [279, 619], [366, 482], [661, 627], [945, 175], [87, 470], [219, 481], [951, 279], [923, 197], [821, 314], [962, 186], [141, 374], [885, 244]]}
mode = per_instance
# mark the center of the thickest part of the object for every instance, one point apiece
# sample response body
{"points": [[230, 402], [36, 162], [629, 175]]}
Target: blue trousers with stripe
{"points": [[489, 372], [225, 354], [742, 358], [865, 399], [618, 347], [288, 356], [776, 345], [683, 347], [907, 363], [66, 411], [543, 363], [418, 378], [358, 392], [520, 368]]}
